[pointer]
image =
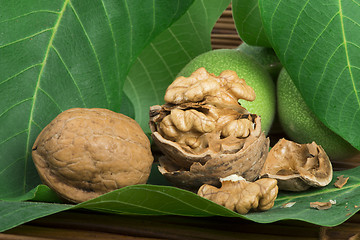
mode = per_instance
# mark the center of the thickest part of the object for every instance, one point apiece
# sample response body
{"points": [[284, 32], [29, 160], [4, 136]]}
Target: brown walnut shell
{"points": [[204, 133], [243, 157], [298, 167], [246, 162], [84, 153]]}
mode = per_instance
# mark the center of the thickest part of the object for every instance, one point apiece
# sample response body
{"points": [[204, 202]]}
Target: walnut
{"points": [[297, 167], [227, 88], [84, 153], [241, 196], [204, 133]]}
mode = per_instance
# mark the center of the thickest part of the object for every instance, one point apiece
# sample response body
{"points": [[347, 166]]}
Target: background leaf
{"points": [[61, 54], [248, 23], [159, 63], [166, 200], [318, 43]]}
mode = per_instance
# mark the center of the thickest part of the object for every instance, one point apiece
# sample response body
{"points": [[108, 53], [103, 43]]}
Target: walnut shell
{"points": [[297, 167], [84, 153], [246, 162], [204, 133]]}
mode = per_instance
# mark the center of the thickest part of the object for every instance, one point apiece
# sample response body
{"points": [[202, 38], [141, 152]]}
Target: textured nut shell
{"points": [[297, 167], [208, 168], [84, 153]]}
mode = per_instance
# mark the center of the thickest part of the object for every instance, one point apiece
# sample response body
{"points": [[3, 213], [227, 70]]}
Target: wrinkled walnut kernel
{"points": [[225, 89], [205, 133], [242, 196]]}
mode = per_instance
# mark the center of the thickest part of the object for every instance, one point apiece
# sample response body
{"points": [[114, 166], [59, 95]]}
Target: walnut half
{"points": [[298, 167], [204, 133], [241, 196]]}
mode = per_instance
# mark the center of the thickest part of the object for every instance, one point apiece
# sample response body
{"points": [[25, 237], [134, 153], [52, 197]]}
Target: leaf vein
{"points": [[323, 71], [20, 72], [271, 20], [93, 49], [333, 91], [356, 2], [57, 23], [14, 105], [28, 13], [114, 40], [255, 7], [177, 40], [12, 136], [25, 38], [294, 26], [352, 20], [51, 99], [10, 165], [313, 44], [131, 30], [347, 52], [70, 74]]}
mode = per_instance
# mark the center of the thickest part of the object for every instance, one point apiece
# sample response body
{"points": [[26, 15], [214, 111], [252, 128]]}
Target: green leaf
{"points": [[166, 200], [318, 42], [159, 63], [41, 193], [248, 23], [347, 198], [155, 200], [16, 213], [150, 199], [61, 54]]}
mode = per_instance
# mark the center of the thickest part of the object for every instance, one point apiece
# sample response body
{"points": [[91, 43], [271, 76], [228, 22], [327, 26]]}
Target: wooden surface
{"points": [[224, 34], [86, 225]]}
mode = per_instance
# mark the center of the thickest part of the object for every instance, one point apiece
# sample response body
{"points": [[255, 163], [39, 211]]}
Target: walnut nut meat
{"points": [[84, 153], [204, 133], [297, 167], [241, 196]]}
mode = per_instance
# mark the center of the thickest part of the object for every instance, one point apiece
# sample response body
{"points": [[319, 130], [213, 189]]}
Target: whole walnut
{"points": [[204, 133], [84, 153]]}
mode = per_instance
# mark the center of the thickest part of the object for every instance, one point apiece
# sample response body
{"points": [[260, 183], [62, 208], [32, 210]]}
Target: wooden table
{"points": [[90, 225]]}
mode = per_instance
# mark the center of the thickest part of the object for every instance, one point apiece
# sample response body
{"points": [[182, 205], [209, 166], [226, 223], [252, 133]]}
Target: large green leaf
{"points": [[166, 200], [318, 42], [159, 63], [248, 23], [61, 54]]}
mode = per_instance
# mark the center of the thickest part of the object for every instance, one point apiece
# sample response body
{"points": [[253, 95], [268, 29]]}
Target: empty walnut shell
{"points": [[297, 167], [84, 153], [205, 134]]}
